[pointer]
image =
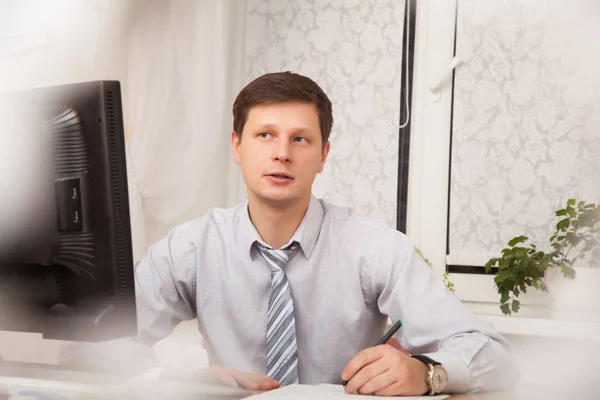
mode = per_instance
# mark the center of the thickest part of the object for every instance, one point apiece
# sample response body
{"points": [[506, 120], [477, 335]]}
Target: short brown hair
{"points": [[281, 87]]}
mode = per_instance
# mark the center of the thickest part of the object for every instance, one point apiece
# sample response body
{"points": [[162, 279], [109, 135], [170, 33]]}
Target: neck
{"points": [[276, 225]]}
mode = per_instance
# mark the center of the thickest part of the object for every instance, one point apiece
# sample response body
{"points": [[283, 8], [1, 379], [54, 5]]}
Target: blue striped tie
{"points": [[282, 352]]}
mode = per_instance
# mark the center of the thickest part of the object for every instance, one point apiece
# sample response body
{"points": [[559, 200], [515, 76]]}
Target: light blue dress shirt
{"points": [[348, 277]]}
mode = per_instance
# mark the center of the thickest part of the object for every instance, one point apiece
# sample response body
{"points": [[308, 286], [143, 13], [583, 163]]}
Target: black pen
{"points": [[385, 338]]}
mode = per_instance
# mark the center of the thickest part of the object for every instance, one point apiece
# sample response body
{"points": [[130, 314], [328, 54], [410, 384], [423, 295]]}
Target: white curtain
{"points": [[48, 42], [526, 126], [183, 69]]}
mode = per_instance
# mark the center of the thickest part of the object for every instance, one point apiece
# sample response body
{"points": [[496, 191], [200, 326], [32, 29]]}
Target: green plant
{"points": [[445, 277], [523, 265]]}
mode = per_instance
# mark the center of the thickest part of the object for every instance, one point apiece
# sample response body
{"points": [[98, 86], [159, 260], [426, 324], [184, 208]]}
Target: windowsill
{"points": [[536, 316], [543, 327]]}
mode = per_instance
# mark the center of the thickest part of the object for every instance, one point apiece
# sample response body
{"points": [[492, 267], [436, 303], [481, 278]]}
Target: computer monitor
{"points": [[66, 264]]}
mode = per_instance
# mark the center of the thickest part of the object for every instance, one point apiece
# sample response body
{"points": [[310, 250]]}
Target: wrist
{"points": [[421, 377]]}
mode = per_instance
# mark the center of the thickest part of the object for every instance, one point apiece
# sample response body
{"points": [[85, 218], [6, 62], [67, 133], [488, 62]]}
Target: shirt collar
{"points": [[306, 234]]}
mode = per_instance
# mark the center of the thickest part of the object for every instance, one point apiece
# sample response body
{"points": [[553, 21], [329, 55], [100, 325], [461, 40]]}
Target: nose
{"points": [[281, 152]]}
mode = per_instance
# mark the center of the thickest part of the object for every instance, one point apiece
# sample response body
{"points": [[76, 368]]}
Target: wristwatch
{"points": [[437, 378]]}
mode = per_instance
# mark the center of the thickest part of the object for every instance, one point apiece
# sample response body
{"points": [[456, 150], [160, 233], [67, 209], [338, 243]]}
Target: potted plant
{"points": [[449, 284], [523, 265]]}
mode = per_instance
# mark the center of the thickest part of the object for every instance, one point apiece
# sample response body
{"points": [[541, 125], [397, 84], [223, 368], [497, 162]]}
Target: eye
{"points": [[300, 139], [264, 135]]}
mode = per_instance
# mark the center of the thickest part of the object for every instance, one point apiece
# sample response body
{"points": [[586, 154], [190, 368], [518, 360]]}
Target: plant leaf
{"points": [[563, 224], [523, 287], [517, 240], [516, 305], [488, 266], [568, 272], [505, 309]]}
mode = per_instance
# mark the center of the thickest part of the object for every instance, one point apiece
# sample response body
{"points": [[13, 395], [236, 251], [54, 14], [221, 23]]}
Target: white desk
{"points": [[31, 379]]}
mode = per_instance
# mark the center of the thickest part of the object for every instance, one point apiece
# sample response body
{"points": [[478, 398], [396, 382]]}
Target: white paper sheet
{"points": [[324, 391]]}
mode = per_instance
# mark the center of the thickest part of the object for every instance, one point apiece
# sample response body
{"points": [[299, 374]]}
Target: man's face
{"points": [[280, 152]]}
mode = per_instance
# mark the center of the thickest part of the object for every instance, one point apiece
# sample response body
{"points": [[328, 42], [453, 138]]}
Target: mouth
{"points": [[280, 175]]}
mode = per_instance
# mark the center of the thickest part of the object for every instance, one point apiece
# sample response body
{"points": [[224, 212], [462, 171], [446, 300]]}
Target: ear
{"points": [[324, 156], [235, 146]]}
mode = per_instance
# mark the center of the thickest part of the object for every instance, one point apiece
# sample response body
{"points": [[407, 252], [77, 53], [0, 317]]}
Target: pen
{"points": [[385, 338]]}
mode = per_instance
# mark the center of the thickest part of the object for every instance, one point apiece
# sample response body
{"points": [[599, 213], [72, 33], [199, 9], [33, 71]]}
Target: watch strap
{"points": [[426, 360]]}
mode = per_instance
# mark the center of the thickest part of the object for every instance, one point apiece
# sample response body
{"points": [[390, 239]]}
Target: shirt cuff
{"points": [[459, 375]]}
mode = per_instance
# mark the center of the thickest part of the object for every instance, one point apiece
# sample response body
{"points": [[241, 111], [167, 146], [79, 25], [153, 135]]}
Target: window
{"points": [[498, 145]]}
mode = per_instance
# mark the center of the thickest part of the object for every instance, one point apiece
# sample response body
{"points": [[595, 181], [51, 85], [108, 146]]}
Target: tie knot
{"points": [[277, 258]]}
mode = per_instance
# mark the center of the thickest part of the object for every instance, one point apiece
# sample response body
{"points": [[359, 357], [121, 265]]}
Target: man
{"points": [[288, 288]]}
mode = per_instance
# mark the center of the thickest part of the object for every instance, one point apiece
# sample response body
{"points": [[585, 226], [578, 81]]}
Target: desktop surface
{"points": [[528, 391], [52, 382]]}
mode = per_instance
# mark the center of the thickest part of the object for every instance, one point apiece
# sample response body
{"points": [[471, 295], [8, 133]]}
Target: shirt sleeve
{"points": [[165, 286], [435, 322]]}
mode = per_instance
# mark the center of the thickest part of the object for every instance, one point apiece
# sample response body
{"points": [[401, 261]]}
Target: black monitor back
{"points": [[68, 270]]}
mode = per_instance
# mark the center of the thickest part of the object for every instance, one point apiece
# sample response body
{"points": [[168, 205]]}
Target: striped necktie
{"points": [[282, 357]]}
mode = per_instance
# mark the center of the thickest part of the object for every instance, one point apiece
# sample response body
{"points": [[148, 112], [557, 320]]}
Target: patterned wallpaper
{"points": [[526, 128], [353, 50]]}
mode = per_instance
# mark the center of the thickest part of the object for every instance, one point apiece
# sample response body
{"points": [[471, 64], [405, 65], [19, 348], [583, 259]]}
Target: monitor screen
{"points": [[66, 265]]}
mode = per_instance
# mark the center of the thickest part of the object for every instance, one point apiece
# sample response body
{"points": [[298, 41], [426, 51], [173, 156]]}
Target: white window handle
{"points": [[434, 87]]}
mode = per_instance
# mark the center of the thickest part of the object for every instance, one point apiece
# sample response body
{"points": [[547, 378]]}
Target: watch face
{"points": [[439, 379]]}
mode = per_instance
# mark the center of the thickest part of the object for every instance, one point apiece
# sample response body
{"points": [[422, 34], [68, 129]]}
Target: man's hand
{"points": [[235, 378], [385, 370], [395, 343]]}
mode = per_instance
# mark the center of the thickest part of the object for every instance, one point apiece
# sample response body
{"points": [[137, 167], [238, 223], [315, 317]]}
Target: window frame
{"points": [[429, 178], [430, 152]]}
